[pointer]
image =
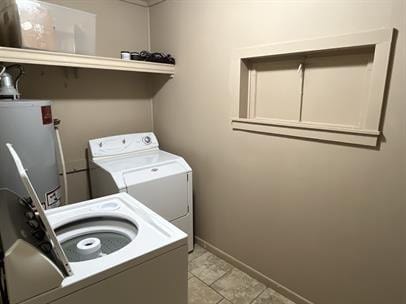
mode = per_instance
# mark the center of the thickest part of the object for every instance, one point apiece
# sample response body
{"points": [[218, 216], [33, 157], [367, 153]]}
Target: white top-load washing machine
{"points": [[133, 163], [107, 250]]}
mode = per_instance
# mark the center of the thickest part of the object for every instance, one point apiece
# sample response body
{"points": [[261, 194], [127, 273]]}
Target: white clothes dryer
{"points": [[133, 163]]}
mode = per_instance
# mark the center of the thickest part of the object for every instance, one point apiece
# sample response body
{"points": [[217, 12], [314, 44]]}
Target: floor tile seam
{"points": [[222, 276], [257, 296], [222, 297], [197, 257], [222, 300], [200, 256], [253, 300]]}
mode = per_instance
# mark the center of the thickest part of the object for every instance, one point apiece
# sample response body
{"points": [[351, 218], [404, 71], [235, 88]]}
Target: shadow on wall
{"points": [[388, 82], [48, 82]]}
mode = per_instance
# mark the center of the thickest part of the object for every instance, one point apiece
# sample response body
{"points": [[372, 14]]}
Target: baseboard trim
{"points": [[290, 294]]}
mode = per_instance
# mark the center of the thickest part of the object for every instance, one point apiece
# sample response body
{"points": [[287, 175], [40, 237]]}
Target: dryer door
{"points": [[161, 188]]}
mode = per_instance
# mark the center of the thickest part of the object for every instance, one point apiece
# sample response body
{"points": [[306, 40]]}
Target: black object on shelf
{"points": [[153, 57]]}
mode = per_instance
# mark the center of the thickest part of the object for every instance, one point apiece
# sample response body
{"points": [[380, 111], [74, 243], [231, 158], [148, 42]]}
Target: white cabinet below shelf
{"points": [[28, 56]]}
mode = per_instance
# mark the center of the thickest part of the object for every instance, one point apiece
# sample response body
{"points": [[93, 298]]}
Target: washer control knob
{"points": [[33, 224], [29, 215], [147, 140], [39, 235], [46, 247]]}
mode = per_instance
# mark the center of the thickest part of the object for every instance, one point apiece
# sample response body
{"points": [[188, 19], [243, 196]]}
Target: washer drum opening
{"points": [[94, 238]]}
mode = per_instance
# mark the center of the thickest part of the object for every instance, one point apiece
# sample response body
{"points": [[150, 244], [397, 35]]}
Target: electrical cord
{"points": [[3, 285], [24, 200], [9, 190], [153, 57]]}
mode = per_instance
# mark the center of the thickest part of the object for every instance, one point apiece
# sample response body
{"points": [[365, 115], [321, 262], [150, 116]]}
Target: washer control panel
{"points": [[19, 221], [122, 144]]}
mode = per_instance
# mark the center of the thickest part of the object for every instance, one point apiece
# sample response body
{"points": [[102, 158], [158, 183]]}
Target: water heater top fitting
{"points": [[9, 87]]}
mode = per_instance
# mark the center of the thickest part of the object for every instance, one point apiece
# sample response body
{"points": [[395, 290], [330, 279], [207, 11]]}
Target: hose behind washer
{"points": [[64, 174]]}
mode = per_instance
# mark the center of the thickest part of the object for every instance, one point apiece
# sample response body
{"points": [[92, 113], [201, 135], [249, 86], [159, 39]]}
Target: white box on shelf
{"points": [[45, 26]]}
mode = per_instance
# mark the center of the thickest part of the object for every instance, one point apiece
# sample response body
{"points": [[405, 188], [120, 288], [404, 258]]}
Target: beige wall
{"points": [[325, 220], [96, 103]]}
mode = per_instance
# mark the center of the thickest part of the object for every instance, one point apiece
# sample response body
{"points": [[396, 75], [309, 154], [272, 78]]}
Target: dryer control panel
{"points": [[122, 144]]}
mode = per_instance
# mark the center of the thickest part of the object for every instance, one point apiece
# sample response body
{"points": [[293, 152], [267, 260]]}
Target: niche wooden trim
{"points": [[365, 132]]}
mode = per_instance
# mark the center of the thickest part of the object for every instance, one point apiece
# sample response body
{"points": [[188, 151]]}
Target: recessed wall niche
{"points": [[328, 89]]}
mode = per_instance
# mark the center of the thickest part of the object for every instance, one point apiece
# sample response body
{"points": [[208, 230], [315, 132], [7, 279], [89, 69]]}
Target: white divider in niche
{"points": [[329, 88]]}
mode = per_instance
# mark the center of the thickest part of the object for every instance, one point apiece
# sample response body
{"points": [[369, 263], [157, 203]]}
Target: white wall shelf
{"points": [[28, 56]]}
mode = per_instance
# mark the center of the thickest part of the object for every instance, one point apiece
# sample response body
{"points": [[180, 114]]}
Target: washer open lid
{"points": [[34, 196]]}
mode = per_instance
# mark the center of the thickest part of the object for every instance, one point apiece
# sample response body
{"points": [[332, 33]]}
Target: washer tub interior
{"points": [[95, 237]]}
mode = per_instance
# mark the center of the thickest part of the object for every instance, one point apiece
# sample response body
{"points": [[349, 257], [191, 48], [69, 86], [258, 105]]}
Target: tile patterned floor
{"points": [[214, 281]]}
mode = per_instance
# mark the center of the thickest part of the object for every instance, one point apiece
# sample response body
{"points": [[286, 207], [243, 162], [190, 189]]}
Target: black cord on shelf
{"points": [[153, 57]]}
